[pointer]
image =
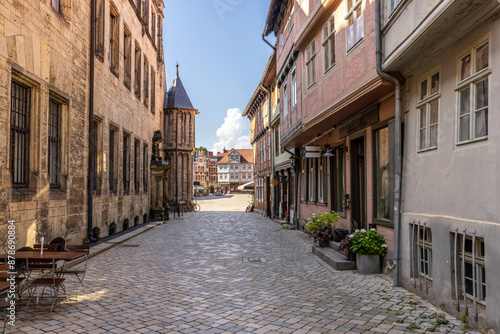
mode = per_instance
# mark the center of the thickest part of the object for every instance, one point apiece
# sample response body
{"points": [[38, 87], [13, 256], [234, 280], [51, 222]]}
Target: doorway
{"points": [[358, 184]]}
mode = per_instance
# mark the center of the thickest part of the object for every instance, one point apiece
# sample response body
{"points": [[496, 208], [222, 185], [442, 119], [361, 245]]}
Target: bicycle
{"points": [[193, 207]]}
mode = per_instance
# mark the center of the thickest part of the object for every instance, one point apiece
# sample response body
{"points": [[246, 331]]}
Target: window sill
{"points": [[427, 149], [383, 222], [328, 70], [57, 194], [472, 141], [355, 46], [22, 194]]}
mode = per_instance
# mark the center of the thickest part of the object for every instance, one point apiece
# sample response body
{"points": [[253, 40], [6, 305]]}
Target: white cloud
{"points": [[233, 133]]}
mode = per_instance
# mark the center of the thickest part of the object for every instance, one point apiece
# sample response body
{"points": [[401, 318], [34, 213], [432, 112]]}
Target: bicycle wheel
{"points": [[196, 207]]}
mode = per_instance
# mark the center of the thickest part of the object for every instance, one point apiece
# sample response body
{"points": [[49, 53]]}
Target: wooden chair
{"points": [[50, 281], [46, 247], [79, 272]]}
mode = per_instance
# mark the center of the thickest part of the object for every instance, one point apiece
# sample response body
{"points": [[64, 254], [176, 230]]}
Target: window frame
{"points": [[338, 179], [127, 57], [425, 103], [114, 40], [425, 250], [310, 55], [329, 44], [112, 159], [293, 88], [480, 264], [470, 82], [285, 98], [351, 12]]}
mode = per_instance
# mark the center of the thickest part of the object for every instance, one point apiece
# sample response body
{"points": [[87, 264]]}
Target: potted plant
{"points": [[368, 246], [320, 226], [345, 247]]}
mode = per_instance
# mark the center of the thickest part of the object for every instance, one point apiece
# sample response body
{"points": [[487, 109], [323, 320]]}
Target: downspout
{"points": [[265, 40], [90, 183], [397, 144]]}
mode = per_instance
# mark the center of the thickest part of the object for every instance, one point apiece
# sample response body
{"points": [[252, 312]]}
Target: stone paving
{"points": [[223, 271]]}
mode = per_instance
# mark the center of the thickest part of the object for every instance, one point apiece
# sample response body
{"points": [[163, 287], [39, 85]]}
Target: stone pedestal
{"points": [[159, 177]]}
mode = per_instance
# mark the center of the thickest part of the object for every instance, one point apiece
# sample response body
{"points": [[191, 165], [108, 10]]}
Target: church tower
{"points": [[179, 140]]}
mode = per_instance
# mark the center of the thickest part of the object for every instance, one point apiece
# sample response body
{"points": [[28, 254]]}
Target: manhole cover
{"points": [[129, 245], [254, 259]]}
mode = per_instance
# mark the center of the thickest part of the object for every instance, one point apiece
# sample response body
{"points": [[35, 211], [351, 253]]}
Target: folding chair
{"points": [[46, 247], [49, 281], [79, 273], [5, 274], [4, 304]]}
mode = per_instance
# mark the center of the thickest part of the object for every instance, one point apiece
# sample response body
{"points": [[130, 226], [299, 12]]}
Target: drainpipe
{"points": [[397, 145], [265, 40], [90, 183]]}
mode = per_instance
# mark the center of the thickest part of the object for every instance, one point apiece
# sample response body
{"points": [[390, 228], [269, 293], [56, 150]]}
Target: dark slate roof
{"points": [[176, 97]]}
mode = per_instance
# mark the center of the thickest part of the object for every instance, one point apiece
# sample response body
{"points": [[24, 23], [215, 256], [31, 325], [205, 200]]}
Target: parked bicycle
{"points": [[193, 207]]}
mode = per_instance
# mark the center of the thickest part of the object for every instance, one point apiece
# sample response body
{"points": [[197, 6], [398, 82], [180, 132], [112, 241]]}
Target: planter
{"points": [[339, 234], [324, 243], [368, 265]]}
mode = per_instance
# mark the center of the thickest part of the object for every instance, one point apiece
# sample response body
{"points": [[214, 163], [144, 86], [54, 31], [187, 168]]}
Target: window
{"points": [[99, 47], [382, 191], [476, 248], [125, 163], [55, 144], [322, 186], [428, 111], [311, 182], [393, 4], [277, 141], [95, 156], [261, 152], [338, 179], [424, 246], [153, 89], [112, 164], [127, 57], [329, 43], [56, 5], [293, 89], [145, 14], [138, 6], [137, 73], [146, 82], [20, 115], [354, 20], [269, 154], [114, 40], [285, 99], [264, 150], [137, 152], [153, 27], [311, 63], [473, 94], [303, 181]]}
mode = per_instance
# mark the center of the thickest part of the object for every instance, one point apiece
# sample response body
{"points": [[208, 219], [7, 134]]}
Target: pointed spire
{"points": [[176, 97], [177, 69]]}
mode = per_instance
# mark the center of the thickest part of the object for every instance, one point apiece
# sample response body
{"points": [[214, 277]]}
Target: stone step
{"points": [[334, 259]]}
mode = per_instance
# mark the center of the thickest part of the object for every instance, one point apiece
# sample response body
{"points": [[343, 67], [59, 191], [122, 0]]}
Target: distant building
{"points": [[235, 168], [179, 141]]}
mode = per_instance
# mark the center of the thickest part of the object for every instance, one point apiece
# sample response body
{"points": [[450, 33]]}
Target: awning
{"points": [[248, 185]]}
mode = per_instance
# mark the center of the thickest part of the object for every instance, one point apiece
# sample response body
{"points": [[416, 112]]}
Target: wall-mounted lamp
{"points": [[329, 153]]}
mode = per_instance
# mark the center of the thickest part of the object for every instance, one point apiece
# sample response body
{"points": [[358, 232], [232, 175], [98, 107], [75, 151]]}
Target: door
{"points": [[358, 184]]}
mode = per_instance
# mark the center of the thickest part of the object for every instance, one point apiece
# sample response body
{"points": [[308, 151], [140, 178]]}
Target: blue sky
{"points": [[222, 57]]}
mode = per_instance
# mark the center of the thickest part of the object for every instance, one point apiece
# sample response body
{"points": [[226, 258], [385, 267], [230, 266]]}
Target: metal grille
{"points": [[136, 165], [94, 155], [19, 134], [144, 168], [125, 163], [54, 144], [112, 159]]}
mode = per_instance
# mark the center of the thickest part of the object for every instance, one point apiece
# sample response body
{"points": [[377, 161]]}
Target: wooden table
{"points": [[35, 255], [4, 286]]}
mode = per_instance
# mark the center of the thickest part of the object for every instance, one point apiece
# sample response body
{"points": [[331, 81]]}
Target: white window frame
{"points": [[285, 98], [393, 4], [311, 63], [293, 88], [329, 43], [470, 82], [424, 106], [354, 18], [480, 263], [425, 252]]}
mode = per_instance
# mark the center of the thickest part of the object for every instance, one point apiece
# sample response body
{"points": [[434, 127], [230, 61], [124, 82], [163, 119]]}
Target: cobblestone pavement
{"points": [[230, 272]]}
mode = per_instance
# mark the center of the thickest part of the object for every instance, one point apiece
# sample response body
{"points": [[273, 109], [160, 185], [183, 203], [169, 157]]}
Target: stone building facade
{"points": [[179, 141], [44, 89]]}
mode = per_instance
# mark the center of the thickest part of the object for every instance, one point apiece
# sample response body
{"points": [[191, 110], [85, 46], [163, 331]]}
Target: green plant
{"points": [[441, 306], [320, 225], [463, 318], [368, 243], [412, 326]]}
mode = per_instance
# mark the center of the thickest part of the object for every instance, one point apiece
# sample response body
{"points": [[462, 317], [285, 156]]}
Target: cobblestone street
{"points": [[223, 271]]}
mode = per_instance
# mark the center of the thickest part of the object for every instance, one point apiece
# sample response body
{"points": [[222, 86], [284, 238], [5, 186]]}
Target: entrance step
{"points": [[334, 259]]}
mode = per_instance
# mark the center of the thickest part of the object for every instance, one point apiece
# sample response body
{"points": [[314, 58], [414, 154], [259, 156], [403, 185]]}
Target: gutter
{"points": [[397, 145], [90, 183]]}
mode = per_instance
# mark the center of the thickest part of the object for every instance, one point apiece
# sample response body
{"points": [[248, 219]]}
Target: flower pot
{"points": [[324, 243], [368, 264]]}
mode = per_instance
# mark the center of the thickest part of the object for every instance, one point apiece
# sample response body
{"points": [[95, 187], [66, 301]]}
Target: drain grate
{"points": [[130, 246], [255, 259]]}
